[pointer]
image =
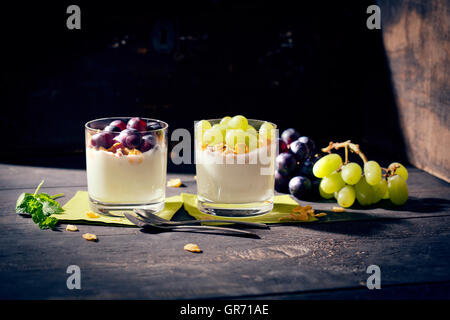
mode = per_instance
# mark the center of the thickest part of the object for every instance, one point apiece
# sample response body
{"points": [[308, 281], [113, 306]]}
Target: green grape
{"points": [[235, 136], [325, 195], [364, 192], [327, 164], [252, 130], [398, 190], [200, 128], [401, 170], [335, 195], [213, 136], [222, 129], [332, 182], [238, 122], [386, 195], [251, 140], [267, 131], [225, 121], [380, 190], [351, 173], [346, 196], [372, 172]]}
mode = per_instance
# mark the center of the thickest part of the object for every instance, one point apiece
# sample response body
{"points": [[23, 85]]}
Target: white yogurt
{"points": [[231, 178], [126, 179]]}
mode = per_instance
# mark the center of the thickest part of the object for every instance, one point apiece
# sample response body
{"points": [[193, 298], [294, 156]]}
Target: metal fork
{"points": [[147, 216], [155, 225]]}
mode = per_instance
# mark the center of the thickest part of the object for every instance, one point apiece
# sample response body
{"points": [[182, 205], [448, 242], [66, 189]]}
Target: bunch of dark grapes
{"points": [[294, 165]]}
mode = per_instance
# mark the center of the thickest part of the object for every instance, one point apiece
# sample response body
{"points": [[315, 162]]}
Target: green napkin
{"points": [[285, 209], [76, 209]]}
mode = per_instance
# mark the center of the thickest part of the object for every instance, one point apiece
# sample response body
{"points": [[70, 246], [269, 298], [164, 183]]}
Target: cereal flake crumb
{"points": [[90, 237], [299, 213], [191, 247], [174, 183], [322, 214], [338, 209], [92, 214], [71, 227]]}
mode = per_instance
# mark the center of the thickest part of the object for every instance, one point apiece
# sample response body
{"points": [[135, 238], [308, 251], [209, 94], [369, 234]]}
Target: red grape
{"points": [[286, 164], [119, 124], [290, 135], [137, 123], [102, 139], [148, 142]]}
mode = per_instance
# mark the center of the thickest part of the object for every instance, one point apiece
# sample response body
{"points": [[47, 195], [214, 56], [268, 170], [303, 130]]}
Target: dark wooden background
{"points": [[416, 37], [310, 65]]}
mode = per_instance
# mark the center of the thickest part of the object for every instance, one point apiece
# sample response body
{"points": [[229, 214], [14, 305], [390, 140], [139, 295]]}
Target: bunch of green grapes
{"points": [[347, 182], [232, 131]]}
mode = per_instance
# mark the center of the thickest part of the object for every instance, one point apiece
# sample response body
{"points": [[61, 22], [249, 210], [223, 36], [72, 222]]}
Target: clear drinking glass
{"points": [[126, 168], [235, 184]]}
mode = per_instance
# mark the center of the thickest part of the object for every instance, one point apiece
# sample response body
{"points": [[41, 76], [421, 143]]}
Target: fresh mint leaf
{"points": [[49, 206], [40, 207], [49, 222], [22, 202]]}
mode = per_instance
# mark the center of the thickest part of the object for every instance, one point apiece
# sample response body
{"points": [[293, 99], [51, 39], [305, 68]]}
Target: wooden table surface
{"points": [[296, 261]]}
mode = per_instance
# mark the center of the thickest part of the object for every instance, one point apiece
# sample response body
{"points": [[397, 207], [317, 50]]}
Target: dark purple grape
{"points": [[137, 123], [119, 124], [286, 164], [153, 125], [315, 187], [309, 143], [111, 128], [300, 187], [290, 135], [299, 150], [306, 168], [281, 182], [130, 138], [133, 141], [148, 142], [102, 139], [282, 146], [129, 131]]}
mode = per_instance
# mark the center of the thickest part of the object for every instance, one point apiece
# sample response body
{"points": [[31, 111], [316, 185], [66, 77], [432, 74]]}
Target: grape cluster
{"points": [[294, 165], [135, 134], [347, 182], [235, 133]]}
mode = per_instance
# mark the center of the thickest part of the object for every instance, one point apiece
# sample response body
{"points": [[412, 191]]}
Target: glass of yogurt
{"points": [[235, 165], [126, 161]]}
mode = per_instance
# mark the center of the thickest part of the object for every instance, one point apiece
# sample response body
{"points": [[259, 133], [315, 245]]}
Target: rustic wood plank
{"points": [[409, 244], [416, 36], [286, 259]]}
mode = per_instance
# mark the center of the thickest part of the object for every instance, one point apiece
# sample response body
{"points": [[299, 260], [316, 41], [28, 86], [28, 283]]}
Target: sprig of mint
{"points": [[40, 206]]}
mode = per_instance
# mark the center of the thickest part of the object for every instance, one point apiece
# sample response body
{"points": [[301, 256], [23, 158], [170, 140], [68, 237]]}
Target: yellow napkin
{"points": [[285, 209], [76, 209]]}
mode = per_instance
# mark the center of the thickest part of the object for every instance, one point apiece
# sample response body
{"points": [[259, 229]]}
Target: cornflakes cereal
{"points": [[174, 183], [71, 227], [322, 214], [90, 237], [240, 148], [338, 209], [191, 247], [299, 213], [92, 214]]}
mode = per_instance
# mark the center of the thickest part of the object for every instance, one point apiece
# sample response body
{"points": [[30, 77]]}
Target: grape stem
{"points": [[390, 171], [347, 145]]}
